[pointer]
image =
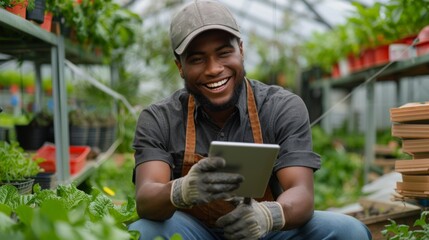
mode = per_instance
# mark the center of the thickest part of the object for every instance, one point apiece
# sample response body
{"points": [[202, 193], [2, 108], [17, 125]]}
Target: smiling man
{"points": [[181, 190]]}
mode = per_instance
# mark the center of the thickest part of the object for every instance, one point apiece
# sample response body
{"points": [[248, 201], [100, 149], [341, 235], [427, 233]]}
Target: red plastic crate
{"points": [[77, 154]]}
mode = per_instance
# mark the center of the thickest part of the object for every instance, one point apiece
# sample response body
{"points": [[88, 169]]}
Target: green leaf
{"points": [[25, 214], [54, 209]]}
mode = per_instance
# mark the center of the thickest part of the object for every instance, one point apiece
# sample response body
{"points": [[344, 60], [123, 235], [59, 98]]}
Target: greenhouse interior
{"points": [[91, 97]]}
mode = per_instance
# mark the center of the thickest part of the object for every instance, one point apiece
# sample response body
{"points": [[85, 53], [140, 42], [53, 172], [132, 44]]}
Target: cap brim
{"points": [[181, 48]]}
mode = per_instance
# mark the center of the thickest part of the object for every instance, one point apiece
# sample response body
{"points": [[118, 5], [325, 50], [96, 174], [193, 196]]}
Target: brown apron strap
{"points": [[253, 115], [189, 157]]}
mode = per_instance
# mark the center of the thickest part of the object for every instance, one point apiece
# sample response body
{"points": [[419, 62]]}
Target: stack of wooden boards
{"points": [[410, 122]]}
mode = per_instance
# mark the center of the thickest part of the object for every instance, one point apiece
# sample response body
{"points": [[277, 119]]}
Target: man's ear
{"points": [[179, 66]]}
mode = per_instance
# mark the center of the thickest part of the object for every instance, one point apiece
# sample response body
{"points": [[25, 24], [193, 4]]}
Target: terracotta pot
{"points": [[406, 40], [335, 71], [368, 58], [355, 63], [19, 9], [47, 22], [381, 54]]}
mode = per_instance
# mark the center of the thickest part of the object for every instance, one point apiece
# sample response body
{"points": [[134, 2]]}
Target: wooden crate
{"points": [[400, 213]]}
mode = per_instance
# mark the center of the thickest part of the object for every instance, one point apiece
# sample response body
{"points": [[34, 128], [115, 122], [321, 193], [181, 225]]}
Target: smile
{"points": [[217, 84]]}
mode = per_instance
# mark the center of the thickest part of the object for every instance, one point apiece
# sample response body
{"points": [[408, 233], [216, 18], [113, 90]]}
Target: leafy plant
{"points": [[114, 178], [77, 118], [340, 179], [15, 164], [407, 18], [31, 5], [64, 213], [98, 24], [11, 3], [394, 231]]}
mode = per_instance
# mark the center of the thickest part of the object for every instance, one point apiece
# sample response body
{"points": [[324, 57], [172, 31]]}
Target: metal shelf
{"points": [[24, 40], [416, 66]]}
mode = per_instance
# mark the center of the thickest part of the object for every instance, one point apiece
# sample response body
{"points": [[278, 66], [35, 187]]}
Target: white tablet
{"points": [[253, 161]]}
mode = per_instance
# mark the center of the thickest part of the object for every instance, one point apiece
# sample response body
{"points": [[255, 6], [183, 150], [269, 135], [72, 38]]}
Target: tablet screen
{"points": [[253, 161]]}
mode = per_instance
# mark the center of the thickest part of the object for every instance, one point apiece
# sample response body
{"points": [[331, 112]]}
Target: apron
{"points": [[210, 212]]}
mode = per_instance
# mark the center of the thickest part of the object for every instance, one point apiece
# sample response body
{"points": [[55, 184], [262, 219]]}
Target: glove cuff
{"points": [[176, 196], [276, 213]]}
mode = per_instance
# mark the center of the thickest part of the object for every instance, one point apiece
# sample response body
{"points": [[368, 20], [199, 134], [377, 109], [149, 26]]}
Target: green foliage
{"points": [[151, 61], [31, 5], [99, 24], [321, 49], [12, 77], [127, 125], [64, 213], [15, 164], [11, 3], [339, 180], [394, 231], [366, 27], [281, 68], [407, 18], [115, 177]]}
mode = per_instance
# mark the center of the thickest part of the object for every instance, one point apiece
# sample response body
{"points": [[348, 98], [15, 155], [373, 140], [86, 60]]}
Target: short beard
{"points": [[205, 102]]}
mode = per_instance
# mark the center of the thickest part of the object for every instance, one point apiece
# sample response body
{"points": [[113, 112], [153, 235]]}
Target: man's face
{"points": [[212, 67]]}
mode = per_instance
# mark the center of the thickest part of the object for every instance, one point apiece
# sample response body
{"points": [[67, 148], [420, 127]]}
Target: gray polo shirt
{"points": [[161, 128]]}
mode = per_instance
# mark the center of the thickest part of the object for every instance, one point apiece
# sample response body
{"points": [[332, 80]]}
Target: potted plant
{"points": [[36, 132], [17, 7], [107, 131], [17, 167], [78, 128], [37, 11], [97, 24]]}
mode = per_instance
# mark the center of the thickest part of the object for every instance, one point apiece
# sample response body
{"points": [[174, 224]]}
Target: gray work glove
{"points": [[252, 221], [205, 182]]}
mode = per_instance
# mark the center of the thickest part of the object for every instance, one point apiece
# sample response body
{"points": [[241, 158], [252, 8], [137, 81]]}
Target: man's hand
{"points": [[204, 183], [251, 221]]}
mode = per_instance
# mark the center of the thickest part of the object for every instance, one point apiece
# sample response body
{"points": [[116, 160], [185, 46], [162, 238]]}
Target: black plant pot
{"points": [[4, 134], [38, 13], [31, 137], [107, 137], [93, 136], [45, 180], [78, 135]]}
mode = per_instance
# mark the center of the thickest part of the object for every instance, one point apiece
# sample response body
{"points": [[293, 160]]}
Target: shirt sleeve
{"points": [[150, 138], [293, 133]]}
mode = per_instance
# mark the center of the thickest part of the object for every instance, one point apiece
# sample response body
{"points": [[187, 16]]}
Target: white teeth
{"points": [[217, 84]]}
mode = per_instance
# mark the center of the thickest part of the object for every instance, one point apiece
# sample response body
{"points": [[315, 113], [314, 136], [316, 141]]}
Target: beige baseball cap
{"points": [[197, 17]]}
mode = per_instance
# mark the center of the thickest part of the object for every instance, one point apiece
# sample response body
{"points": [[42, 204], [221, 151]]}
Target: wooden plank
{"points": [[413, 186], [410, 112], [410, 130], [415, 178], [415, 145], [412, 163], [413, 171], [420, 156]]}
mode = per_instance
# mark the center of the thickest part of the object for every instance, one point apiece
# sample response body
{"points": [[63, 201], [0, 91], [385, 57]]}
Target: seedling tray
{"points": [[77, 155]]}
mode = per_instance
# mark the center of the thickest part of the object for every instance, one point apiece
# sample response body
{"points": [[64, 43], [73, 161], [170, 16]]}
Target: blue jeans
{"points": [[323, 225]]}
